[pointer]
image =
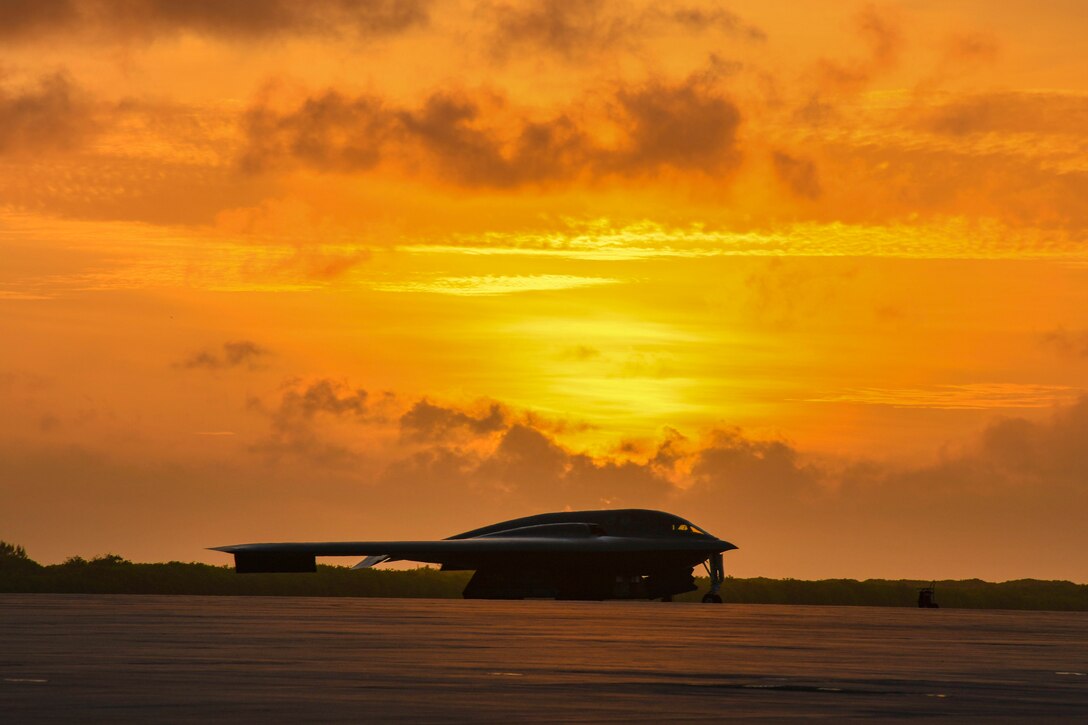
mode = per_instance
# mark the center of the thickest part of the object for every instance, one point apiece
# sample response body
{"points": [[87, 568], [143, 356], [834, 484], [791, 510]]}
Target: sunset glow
{"points": [[814, 275]]}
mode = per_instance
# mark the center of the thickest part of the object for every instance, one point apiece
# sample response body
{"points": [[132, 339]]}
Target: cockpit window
{"points": [[687, 529]]}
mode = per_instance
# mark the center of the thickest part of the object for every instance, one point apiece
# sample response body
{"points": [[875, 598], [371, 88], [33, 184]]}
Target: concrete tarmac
{"points": [[99, 658]]}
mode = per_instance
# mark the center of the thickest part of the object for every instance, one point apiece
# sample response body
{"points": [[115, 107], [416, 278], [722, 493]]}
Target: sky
{"points": [[813, 275]]}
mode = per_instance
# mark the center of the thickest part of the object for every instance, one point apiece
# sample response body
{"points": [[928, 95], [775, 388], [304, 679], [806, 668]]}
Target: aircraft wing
{"points": [[299, 556]]}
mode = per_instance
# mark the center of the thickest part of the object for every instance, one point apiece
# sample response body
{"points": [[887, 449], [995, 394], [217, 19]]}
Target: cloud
{"points": [[695, 18], [569, 28], [303, 422], [447, 129], [54, 116], [321, 248], [237, 20], [314, 133], [882, 34], [683, 126], [325, 396], [576, 29], [336, 133], [971, 396], [1015, 158], [798, 174], [942, 237], [491, 285], [75, 155], [765, 476], [880, 31], [480, 141], [523, 469], [232, 355], [1014, 489], [529, 465], [1041, 454], [1037, 112], [428, 421], [996, 181], [982, 511], [1071, 343], [103, 187]]}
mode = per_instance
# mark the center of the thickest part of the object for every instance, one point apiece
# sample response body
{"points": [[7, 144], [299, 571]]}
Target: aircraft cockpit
{"points": [[688, 529]]}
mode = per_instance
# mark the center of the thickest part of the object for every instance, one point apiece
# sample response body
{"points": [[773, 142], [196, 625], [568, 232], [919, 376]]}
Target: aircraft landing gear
{"points": [[716, 571]]}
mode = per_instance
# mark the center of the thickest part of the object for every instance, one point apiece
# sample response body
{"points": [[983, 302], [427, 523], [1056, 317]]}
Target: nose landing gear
{"points": [[716, 571]]}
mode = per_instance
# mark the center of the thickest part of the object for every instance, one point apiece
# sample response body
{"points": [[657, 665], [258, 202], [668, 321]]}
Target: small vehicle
{"points": [[927, 597]]}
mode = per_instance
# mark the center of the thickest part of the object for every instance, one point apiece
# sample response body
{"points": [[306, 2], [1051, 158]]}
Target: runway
{"points": [[94, 658]]}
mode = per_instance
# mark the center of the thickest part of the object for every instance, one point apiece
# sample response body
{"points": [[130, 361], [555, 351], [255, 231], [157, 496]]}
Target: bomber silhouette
{"points": [[612, 554]]}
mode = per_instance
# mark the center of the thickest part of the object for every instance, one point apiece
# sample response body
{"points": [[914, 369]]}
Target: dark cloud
{"points": [[232, 355], [319, 397], [529, 465], [297, 420], [570, 28], [237, 19], [53, 116], [427, 421], [526, 470], [1072, 343], [694, 18], [445, 129], [576, 29], [332, 132], [480, 142], [684, 126], [798, 174]]}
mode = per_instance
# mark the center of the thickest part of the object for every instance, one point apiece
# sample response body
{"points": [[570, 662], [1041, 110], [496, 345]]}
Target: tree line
{"points": [[112, 574]]}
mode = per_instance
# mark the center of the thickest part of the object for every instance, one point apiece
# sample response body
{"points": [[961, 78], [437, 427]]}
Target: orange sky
{"points": [[813, 275]]}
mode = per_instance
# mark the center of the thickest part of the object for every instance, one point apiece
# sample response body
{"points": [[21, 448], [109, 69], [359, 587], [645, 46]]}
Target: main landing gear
{"points": [[716, 571]]}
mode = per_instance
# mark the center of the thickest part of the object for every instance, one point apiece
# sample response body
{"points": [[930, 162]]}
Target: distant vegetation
{"points": [[962, 594], [111, 574]]}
